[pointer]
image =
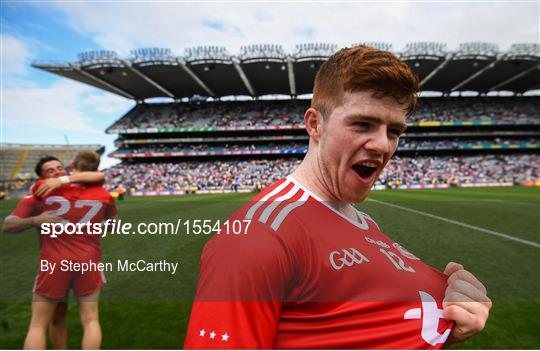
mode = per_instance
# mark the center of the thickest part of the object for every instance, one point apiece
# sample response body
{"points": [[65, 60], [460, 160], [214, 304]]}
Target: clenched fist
{"points": [[465, 302]]}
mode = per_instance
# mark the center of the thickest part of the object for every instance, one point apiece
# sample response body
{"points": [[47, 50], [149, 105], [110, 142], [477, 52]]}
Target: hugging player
{"points": [[56, 198], [314, 272]]}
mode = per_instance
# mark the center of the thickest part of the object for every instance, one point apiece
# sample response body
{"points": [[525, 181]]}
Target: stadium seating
{"points": [[248, 174], [225, 114], [210, 175], [461, 170], [500, 110], [451, 141], [164, 150], [18, 160]]}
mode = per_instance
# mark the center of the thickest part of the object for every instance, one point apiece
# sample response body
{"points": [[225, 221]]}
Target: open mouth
{"points": [[365, 169]]}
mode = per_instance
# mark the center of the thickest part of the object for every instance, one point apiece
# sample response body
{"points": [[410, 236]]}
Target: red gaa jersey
{"points": [[304, 276], [75, 203]]}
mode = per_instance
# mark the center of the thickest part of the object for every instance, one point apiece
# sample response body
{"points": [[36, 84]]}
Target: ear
{"points": [[313, 121]]}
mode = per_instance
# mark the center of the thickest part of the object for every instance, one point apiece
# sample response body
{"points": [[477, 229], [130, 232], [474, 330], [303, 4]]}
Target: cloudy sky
{"points": [[38, 107]]}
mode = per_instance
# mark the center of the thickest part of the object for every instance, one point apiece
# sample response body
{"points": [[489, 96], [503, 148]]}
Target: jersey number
{"points": [[397, 261], [94, 207]]}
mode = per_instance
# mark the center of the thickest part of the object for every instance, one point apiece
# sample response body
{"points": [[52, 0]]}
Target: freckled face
{"points": [[357, 141]]}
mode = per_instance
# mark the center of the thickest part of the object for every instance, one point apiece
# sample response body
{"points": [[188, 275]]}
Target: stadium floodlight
{"points": [[207, 53], [151, 54], [377, 45], [314, 50], [97, 57], [477, 49], [425, 49], [262, 51], [524, 49]]}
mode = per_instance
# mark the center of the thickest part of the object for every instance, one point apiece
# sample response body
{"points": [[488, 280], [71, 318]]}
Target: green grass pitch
{"points": [[151, 310]]}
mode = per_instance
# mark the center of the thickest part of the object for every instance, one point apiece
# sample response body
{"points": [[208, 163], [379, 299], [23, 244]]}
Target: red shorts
{"points": [[57, 284]]}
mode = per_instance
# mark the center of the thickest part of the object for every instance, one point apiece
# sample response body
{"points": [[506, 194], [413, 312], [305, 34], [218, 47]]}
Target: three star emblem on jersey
{"points": [[212, 335], [346, 257], [430, 314]]}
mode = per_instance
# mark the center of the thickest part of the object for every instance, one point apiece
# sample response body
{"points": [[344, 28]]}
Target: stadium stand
{"points": [[499, 110], [226, 146], [247, 175], [161, 150], [180, 177], [219, 114], [496, 110], [414, 172], [200, 142], [18, 160]]}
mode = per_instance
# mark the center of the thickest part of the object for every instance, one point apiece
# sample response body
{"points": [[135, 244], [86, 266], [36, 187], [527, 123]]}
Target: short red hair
{"points": [[86, 161], [362, 68]]}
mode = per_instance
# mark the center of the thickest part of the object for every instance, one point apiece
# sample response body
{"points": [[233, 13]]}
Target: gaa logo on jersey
{"points": [[346, 257]]}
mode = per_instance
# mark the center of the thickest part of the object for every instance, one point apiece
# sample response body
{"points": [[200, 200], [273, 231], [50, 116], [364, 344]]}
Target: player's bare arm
{"points": [[465, 302], [78, 177], [14, 224]]}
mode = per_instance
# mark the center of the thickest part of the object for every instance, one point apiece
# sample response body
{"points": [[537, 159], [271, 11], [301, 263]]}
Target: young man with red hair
{"points": [[311, 271]]}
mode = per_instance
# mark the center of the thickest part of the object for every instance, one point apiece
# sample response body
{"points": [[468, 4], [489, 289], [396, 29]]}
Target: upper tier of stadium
{"points": [[289, 114], [258, 70]]}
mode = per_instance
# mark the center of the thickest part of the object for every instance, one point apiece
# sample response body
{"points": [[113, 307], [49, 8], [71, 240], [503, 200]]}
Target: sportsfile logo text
{"points": [[120, 227]]}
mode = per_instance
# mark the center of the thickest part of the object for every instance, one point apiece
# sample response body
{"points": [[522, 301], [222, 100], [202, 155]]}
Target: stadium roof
{"points": [[258, 70]]}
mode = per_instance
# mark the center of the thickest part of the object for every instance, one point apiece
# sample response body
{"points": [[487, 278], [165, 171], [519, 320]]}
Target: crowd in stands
{"points": [[404, 144], [213, 148], [459, 169], [214, 114], [455, 143], [253, 173], [202, 175], [509, 110]]}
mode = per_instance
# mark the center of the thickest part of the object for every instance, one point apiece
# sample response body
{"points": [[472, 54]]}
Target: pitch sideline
{"points": [[461, 224]]}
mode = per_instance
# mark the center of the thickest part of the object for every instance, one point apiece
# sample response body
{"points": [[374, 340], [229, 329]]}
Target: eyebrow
{"points": [[358, 117]]}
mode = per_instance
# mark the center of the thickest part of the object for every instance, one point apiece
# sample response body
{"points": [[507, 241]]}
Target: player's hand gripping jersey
{"points": [[74, 203], [305, 276]]}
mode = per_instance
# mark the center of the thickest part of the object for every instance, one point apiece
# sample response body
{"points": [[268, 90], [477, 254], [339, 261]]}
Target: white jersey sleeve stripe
{"points": [[287, 209], [270, 208], [259, 203]]}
